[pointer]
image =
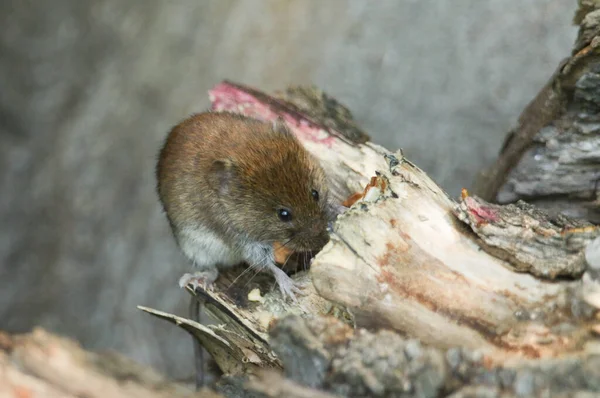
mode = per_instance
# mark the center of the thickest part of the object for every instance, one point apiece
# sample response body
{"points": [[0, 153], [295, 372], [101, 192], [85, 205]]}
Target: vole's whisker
{"points": [[296, 268], [286, 261], [252, 277], [305, 261], [239, 276], [290, 240], [244, 272], [258, 266]]}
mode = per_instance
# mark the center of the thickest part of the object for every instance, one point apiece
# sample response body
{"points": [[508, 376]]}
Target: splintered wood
{"points": [[419, 271], [407, 257]]}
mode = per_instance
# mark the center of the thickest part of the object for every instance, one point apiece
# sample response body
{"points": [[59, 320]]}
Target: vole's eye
{"points": [[285, 214], [315, 194]]}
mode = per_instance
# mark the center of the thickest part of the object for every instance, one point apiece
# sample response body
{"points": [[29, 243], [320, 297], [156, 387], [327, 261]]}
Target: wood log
{"points": [[325, 353], [498, 299], [552, 158], [42, 365], [504, 283]]}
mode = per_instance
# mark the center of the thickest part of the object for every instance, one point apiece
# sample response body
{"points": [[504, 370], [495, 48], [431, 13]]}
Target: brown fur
{"points": [[231, 173]]}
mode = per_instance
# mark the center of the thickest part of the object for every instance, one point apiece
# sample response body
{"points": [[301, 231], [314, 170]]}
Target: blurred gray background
{"points": [[88, 89]]}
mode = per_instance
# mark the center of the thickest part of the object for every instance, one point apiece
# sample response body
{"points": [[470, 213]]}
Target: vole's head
{"points": [[275, 191]]}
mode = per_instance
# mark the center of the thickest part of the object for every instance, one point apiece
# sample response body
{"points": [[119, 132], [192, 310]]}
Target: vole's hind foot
{"points": [[203, 279]]}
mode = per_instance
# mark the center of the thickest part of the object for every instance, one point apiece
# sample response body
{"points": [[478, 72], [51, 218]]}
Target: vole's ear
{"points": [[222, 175], [280, 127]]}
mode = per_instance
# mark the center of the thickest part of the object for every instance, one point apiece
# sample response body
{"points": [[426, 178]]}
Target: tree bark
{"points": [[551, 159], [508, 284]]}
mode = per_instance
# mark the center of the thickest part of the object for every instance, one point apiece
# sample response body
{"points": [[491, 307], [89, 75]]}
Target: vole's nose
{"points": [[321, 226]]}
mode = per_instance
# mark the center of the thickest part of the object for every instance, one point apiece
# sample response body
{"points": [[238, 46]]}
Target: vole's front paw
{"points": [[288, 287], [203, 279]]}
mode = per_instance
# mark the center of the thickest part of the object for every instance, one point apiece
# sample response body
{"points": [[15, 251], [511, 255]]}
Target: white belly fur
{"points": [[206, 249]]}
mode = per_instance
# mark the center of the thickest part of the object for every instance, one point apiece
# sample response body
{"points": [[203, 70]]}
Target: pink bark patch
{"points": [[228, 97], [481, 214]]}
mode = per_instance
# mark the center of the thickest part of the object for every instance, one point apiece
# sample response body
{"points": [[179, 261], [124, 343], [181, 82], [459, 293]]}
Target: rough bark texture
{"points": [[383, 364], [528, 239], [552, 158], [488, 298]]}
